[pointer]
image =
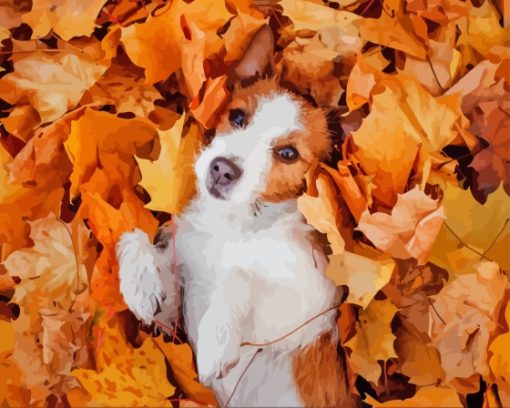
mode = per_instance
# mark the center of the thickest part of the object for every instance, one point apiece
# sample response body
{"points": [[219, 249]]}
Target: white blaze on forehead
{"points": [[276, 115]]}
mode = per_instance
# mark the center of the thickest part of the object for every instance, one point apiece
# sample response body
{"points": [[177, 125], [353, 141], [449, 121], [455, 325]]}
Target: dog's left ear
{"points": [[258, 59]]}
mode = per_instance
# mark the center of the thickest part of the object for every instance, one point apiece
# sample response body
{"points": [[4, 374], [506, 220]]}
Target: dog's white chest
{"points": [[276, 258]]}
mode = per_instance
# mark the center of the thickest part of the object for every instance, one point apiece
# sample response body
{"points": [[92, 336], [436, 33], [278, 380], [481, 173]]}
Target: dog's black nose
{"points": [[223, 175]]}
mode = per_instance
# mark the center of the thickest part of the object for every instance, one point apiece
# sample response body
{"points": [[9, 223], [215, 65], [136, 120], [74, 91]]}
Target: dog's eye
{"points": [[287, 154], [237, 118]]}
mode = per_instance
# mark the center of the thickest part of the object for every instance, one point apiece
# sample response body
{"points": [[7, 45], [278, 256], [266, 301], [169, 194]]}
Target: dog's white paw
{"points": [[140, 281], [217, 351]]}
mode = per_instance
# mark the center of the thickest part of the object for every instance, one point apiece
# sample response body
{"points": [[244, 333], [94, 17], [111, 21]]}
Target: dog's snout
{"points": [[223, 174]]}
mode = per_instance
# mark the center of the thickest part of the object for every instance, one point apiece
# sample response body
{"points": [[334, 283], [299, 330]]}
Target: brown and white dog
{"points": [[252, 270]]}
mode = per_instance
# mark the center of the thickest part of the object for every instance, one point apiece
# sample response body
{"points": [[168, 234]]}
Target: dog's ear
{"points": [[258, 59]]}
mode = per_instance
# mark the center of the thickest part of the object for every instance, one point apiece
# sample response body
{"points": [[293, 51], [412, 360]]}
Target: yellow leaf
{"points": [[170, 180], [320, 209], [475, 225], [364, 276], [373, 341], [134, 379], [482, 32]]}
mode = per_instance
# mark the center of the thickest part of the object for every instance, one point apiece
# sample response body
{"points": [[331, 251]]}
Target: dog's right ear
{"points": [[258, 59]]}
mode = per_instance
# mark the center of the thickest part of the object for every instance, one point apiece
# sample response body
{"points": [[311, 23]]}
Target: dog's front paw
{"points": [[217, 351]]}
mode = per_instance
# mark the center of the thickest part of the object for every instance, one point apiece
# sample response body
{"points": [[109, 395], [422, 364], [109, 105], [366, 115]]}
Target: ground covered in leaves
{"points": [[103, 107]]}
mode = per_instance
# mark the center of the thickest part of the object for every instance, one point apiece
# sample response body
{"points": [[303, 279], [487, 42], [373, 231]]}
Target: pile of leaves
{"points": [[104, 105]]}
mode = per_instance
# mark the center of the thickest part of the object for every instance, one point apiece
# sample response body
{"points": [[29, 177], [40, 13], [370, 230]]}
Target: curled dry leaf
{"points": [[411, 229]]}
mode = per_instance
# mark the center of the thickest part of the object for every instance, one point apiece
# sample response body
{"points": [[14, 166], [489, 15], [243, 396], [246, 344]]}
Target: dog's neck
{"points": [[258, 215]]}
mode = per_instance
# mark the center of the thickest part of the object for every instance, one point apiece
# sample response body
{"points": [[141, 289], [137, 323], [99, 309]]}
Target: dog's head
{"points": [[267, 138]]}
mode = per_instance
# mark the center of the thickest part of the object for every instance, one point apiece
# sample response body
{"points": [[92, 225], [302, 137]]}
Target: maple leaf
{"points": [[156, 44], [472, 229], [126, 376], [373, 323], [170, 180], [99, 137], [52, 275], [321, 210], [66, 18], [180, 357], [500, 358], [107, 224], [410, 230], [492, 164], [52, 83], [124, 89], [414, 123], [364, 276], [462, 320]]}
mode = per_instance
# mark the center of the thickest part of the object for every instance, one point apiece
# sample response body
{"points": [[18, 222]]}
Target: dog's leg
{"points": [[220, 329], [149, 287]]}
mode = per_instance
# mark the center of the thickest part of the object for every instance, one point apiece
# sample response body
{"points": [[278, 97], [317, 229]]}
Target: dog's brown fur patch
{"points": [[320, 376]]}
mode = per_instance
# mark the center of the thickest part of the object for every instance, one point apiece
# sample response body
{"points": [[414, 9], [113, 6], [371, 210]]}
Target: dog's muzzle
{"points": [[223, 176]]}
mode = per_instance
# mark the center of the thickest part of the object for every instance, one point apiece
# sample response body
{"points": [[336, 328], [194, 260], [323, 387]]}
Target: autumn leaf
{"points": [[499, 362], [105, 106], [410, 230], [169, 180], [321, 210], [463, 317], [51, 83], [129, 380], [156, 44], [180, 358], [363, 275], [471, 229], [66, 18], [89, 146], [374, 323]]}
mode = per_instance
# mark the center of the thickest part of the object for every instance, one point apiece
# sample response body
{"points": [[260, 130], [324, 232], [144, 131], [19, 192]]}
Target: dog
{"points": [[259, 311]]}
